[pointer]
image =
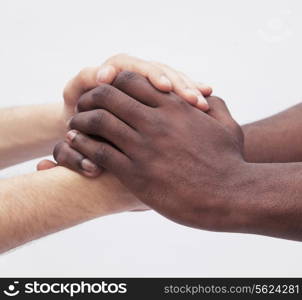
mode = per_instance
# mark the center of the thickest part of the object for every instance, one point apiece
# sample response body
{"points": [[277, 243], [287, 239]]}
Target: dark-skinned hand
{"points": [[182, 162]]}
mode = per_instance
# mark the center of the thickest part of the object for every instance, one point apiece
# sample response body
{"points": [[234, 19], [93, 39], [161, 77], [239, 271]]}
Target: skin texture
{"points": [[29, 132], [275, 139], [30, 209], [188, 165]]}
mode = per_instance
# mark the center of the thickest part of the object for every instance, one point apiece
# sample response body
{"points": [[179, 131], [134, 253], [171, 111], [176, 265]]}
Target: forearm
{"points": [[275, 139], [38, 204], [29, 132], [270, 200]]}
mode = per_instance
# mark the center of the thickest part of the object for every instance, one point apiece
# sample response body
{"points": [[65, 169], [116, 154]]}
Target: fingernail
{"points": [[202, 103], [89, 166], [103, 74], [165, 81], [201, 100], [70, 135]]}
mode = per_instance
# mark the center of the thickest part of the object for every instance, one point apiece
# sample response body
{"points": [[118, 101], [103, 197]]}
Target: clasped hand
{"points": [[180, 161]]}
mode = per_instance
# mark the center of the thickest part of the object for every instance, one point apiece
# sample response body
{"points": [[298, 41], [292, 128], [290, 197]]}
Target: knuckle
{"points": [[122, 134], [96, 120], [100, 155], [124, 77], [155, 70], [101, 92], [132, 105], [84, 74], [180, 82]]}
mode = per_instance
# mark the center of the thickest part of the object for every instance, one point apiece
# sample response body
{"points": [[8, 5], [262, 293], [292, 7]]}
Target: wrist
{"points": [[244, 193], [236, 192], [53, 125], [99, 196], [262, 198]]}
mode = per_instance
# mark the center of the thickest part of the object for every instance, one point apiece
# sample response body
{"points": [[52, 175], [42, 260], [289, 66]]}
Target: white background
{"points": [[249, 51]]}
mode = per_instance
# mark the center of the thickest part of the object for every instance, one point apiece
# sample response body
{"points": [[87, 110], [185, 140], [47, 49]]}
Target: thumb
{"points": [[220, 112], [45, 165]]}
